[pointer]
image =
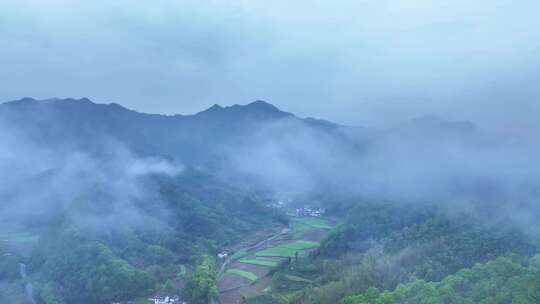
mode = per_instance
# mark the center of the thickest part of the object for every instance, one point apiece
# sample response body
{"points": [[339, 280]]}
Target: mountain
{"points": [[194, 139], [95, 203], [105, 217], [253, 140], [257, 111]]}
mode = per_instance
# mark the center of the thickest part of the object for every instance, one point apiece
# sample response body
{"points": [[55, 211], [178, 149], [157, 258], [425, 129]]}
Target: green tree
{"points": [[202, 283]]}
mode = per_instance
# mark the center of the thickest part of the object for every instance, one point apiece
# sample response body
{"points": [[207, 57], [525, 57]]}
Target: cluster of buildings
{"points": [[167, 300], [304, 211], [158, 300], [308, 211]]}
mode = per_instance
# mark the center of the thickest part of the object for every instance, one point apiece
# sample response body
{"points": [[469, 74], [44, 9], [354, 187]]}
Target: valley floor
{"points": [[247, 272]]}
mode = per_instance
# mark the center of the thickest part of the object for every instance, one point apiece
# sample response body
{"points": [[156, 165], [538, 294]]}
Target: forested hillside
{"points": [[424, 253], [503, 280], [80, 258]]}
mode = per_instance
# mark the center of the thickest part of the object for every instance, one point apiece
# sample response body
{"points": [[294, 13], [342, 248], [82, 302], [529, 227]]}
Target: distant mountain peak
{"points": [[263, 105], [69, 101], [214, 108], [84, 99], [22, 101], [26, 99], [258, 108], [30, 100], [211, 110]]}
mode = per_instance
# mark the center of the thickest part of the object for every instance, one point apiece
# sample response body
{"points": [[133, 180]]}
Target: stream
{"points": [[27, 285]]}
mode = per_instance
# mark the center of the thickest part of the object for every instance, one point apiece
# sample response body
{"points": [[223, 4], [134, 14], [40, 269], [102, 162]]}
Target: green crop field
{"points": [[301, 225], [264, 263], [279, 251], [301, 245], [298, 229], [245, 274]]}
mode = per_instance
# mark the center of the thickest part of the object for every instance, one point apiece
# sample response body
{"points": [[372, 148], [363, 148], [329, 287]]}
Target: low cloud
{"points": [[425, 161], [93, 190]]}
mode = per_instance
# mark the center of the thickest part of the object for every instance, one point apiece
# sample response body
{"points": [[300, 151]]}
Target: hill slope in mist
{"points": [[424, 159]]}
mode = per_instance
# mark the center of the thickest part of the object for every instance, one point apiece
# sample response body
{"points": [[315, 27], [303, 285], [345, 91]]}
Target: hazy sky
{"points": [[351, 61]]}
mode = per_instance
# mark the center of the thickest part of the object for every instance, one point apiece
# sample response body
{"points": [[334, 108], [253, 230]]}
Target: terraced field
{"points": [[279, 251], [288, 250], [259, 262], [247, 273], [313, 222], [302, 244], [303, 225]]}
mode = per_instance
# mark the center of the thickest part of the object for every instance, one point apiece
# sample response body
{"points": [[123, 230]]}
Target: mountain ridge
{"points": [[194, 138], [256, 106]]}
